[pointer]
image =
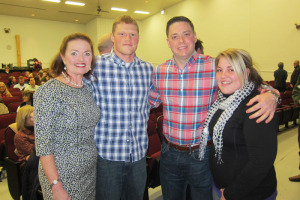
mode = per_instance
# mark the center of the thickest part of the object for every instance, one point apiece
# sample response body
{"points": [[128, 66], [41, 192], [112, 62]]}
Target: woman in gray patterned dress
{"points": [[65, 117]]}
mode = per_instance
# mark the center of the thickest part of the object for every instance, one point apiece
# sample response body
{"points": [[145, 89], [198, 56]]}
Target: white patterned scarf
{"points": [[229, 105]]}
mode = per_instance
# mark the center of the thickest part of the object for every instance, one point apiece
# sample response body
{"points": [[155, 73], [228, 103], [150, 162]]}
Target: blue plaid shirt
{"points": [[121, 92]]}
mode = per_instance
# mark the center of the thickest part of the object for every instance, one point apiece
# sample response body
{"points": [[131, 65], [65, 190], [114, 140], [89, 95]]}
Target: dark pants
{"points": [[180, 168], [120, 180]]}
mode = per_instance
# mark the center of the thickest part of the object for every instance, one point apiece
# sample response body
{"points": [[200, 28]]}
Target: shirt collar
{"points": [[121, 62], [190, 65]]}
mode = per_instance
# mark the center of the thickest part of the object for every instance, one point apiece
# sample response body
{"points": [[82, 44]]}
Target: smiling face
{"points": [[125, 38], [78, 57], [228, 80], [181, 39]]}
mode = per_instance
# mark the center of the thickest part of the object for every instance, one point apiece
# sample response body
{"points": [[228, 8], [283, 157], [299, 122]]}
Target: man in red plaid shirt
{"points": [[187, 87]]}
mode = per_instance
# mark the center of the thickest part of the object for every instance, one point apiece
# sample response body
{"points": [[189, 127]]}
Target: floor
{"points": [[286, 165]]}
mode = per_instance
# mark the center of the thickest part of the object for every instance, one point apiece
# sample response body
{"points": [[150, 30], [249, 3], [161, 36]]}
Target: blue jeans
{"points": [[120, 180], [180, 168]]}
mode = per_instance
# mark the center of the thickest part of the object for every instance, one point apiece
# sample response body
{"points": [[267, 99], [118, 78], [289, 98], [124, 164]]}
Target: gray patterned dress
{"points": [[65, 118]]}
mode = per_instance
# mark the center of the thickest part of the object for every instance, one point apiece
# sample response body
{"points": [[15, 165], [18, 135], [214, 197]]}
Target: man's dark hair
{"points": [[179, 19], [280, 65]]}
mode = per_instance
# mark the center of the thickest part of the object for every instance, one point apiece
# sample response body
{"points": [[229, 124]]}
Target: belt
{"points": [[184, 147]]}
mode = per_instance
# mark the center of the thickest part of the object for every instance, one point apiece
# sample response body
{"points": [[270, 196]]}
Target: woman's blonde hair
{"points": [[6, 91], [22, 115], [240, 60]]}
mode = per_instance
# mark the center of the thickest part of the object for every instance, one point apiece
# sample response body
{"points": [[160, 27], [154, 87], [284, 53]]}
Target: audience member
{"points": [[11, 82], [6, 70], [296, 98], [121, 133], [65, 119], [4, 92], [243, 153], [105, 44], [199, 47], [21, 85], [295, 73], [24, 139], [26, 76], [186, 86], [27, 99], [37, 79], [32, 86], [40, 74], [45, 77], [3, 107], [280, 76]]}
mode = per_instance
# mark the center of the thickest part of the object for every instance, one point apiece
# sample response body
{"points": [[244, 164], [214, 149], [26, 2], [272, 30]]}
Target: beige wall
{"points": [[265, 28], [98, 27], [38, 38]]}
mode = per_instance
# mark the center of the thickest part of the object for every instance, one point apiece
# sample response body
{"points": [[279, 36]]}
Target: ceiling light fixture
{"points": [[141, 12], [74, 3], [119, 9], [55, 1], [162, 12]]}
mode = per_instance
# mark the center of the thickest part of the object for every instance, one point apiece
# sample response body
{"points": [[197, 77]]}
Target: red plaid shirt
{"points": [[186, 95]]}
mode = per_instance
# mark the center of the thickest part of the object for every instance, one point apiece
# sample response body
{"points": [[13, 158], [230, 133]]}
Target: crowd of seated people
{"points": [[18, 79]]}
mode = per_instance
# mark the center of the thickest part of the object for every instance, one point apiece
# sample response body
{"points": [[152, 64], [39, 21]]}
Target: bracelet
{"points": [[55, 182], [277, 97]]}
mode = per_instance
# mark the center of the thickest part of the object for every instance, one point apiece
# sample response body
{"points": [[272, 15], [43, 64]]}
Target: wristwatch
{"points": [[55, 182]]}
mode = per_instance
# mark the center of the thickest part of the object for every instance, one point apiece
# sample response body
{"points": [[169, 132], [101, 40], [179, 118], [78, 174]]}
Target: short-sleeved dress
{"points": [[65, 118]]}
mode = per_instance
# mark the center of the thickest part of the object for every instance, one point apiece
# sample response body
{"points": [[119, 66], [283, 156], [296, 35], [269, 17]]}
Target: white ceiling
{"points": [[69, 13]]}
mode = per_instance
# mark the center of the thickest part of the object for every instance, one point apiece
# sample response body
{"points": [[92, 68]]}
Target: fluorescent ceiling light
{"points": [[141, 12], [75, 3], [119, 9], [56, 1]]}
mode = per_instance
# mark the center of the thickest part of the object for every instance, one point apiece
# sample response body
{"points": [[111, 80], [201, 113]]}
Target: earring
{"points": [[90, 68], [65, 68]]}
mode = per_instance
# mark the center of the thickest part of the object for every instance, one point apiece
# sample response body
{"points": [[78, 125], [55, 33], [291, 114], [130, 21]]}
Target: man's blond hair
{"points": [[124, 19]]}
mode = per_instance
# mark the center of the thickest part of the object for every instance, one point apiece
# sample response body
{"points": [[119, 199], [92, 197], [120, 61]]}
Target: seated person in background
{"points": [[40, 74], [26, 76], [11, 82], [6, 70], [31, 87], [3, 108], [4, 92], [37, 80], [24, 139], [27, 99], [21, 85], [46, 77], [243, 153]]}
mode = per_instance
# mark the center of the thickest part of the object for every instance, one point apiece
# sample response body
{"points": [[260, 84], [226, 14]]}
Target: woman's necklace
{"points": [[67, 78]]}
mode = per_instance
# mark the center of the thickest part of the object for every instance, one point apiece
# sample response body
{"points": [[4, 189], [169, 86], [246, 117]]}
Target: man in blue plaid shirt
{"points": [[121, 85]]}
